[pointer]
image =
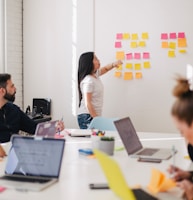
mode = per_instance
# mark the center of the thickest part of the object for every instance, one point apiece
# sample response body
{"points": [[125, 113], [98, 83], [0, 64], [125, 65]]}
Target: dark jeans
{"points": [[84, 120]]}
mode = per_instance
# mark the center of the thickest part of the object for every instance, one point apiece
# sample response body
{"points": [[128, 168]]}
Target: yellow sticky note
{"points": [[146, 65], [128, 76], [138, 75], [171, 54], [182, 51], [118, 74], [144, 36], [134, 36], [182, 42], [137, 66], [142, 44], [129, 65], [164, 44], [133, 44], [120, 67], [126, 36], [172, 45], [120, 55]]}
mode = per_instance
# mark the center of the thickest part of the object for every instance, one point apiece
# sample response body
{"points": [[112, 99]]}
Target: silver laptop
{"points": [[46, 129], [133, 145], [33, 163]]}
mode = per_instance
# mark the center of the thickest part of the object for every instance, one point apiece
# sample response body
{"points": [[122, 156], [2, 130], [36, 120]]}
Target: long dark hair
{"points": [[85, 67]]}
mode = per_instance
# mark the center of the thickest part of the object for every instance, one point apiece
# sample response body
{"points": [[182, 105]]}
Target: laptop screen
{"points": [[46, 129], [128, 135], [32, 156]]}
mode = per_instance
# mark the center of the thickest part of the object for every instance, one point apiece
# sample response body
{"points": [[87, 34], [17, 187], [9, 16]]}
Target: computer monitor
{"points": [[42, 105]]}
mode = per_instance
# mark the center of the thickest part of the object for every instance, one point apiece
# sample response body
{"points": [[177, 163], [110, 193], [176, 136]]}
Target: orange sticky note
{"points": [[120, 55], [128, 76], [118, 74], [164, 44], [182, 42], [138, 75]]}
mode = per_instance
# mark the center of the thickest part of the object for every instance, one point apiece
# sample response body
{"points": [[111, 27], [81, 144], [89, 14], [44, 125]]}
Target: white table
{"points": [[78, 171]]}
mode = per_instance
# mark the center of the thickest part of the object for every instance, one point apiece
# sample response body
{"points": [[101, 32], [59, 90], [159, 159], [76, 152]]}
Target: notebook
{"points": [[47, 129], [116, 180], [33, 163], [133, 145]]}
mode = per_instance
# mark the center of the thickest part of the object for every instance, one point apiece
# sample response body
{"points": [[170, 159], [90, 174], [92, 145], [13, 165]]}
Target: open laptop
{"points": [[116, 180], [133, 145], [33, 163], [47, 129]]}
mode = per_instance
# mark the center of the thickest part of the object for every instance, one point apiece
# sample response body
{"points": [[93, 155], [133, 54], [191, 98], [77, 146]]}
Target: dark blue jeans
{"points": [[84, 120]]}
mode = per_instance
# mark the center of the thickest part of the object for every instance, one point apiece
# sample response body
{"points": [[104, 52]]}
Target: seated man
{"points": [[12, 118]]}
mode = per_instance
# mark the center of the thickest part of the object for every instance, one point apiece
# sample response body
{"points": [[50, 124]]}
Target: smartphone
{"points": [[98, 186], [153, 160]]}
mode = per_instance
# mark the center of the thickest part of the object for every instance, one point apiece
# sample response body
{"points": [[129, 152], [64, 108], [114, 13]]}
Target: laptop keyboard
{"points": [[147, 152], [142, 195], [25, 179]]}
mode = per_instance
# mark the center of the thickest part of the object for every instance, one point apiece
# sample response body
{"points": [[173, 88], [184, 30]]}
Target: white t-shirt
{"points": [[92, 85]]}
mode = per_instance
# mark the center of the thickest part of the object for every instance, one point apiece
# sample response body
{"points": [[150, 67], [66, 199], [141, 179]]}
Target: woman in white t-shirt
{"points": [[90, 87]]}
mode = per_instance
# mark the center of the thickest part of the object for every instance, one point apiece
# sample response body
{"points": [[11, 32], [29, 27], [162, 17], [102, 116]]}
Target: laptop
{"points": [[133, 145], [47, 129], [116, 180], [33, 163]]}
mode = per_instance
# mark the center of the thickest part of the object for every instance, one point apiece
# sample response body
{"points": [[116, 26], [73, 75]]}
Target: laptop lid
{"points": [[116, 180], [35, 157], [46, 129], [128, 135]]}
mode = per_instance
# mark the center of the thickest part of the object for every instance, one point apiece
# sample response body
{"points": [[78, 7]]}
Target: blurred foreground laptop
{"points": [[116, 180], [133, 145], [33, 163], [47, 129]]}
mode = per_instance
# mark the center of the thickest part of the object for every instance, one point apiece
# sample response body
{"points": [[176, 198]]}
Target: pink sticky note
{"points": [[173, 36], [137, 55], [129, 56], [119, 36], [164, 36], [181, 35], [118, 44], [145, 55], [2, 189]]}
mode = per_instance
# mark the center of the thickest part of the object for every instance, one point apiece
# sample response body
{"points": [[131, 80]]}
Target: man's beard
{"points": [[10, 97]]}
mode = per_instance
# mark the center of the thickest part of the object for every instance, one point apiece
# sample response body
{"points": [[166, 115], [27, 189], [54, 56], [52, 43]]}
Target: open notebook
{"points": [[133, 145], [116, 180], [33, 163]]}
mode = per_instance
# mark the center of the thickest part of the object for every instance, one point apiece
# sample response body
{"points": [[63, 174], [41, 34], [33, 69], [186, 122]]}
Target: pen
{"points": [[59, 127], [173, 158]]}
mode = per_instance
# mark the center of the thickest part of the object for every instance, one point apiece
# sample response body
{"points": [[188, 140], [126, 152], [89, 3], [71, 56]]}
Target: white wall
{"points": [[52, 43], [13, 45], [51, 52], [147, 101]]}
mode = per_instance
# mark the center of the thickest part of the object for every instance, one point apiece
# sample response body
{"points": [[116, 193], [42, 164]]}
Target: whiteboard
{"points": [[147, 100]]}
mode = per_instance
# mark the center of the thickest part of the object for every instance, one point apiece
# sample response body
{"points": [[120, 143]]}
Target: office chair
{"points": [[103, 124]]}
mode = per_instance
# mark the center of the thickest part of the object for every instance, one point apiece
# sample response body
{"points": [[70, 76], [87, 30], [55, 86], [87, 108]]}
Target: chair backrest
{"points": [[103, 124]]}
